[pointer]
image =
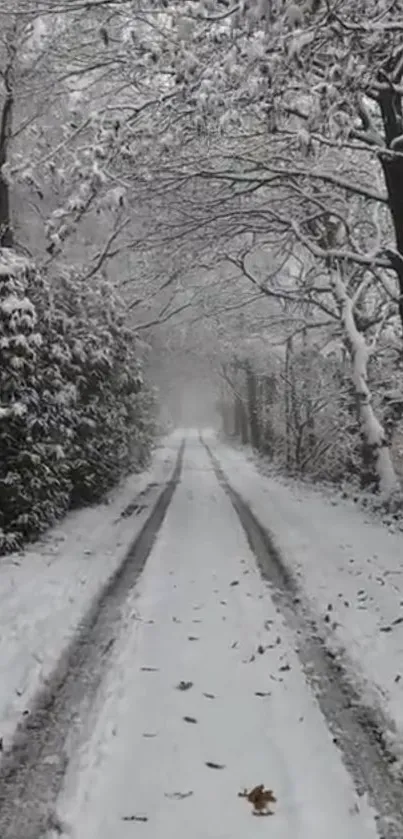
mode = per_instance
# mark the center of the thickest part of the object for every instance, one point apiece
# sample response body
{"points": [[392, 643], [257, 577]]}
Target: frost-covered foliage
{"points": [[74, 413], [302, 411]]}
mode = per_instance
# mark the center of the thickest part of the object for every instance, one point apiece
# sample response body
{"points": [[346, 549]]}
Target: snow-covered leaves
{"points": [[74, 413]]}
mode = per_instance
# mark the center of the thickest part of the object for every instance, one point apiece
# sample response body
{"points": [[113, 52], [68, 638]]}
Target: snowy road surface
{"points": [[201, 614], [68, 567]]}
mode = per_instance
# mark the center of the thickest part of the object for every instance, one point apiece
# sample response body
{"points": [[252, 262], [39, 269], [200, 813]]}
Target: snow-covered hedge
{"points": [[74, 411]]}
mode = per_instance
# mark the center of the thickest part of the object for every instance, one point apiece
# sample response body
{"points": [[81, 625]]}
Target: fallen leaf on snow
{"points": [[178, 796], [261, 799], [149, 734], [149, 669], [108, 646], [235, 583], [184, 685], [212, 765], [134, 818], [262, 693], [397, 621], [190, 719], [284, 668], [209, 695], [193, 638]]}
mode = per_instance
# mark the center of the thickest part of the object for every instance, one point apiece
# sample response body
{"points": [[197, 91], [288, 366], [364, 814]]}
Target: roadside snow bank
{"points": [[350, 568], [46, 590]]}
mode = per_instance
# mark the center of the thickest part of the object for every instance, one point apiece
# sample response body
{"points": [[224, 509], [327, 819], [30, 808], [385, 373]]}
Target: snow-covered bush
{"points": [[74, 410], [34, 483]]}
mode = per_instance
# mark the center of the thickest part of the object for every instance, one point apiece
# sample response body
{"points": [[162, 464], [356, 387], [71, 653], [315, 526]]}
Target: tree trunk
{"points": [[253, 408], [6, 233], [372, 431], [310, 416], [288, 354], [268, 390], [243, 416], [237, 416], [392, 165]]}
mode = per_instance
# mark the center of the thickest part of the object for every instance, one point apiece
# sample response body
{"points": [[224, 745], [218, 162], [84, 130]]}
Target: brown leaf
{"points": [[260, 798]]}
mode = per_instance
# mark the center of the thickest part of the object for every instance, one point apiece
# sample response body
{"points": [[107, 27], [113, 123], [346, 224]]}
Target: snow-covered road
{"points": [[163, 762]]}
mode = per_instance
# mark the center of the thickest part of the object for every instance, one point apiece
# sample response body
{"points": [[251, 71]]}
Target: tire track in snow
{"points": [[32, 770], [357, 729]]}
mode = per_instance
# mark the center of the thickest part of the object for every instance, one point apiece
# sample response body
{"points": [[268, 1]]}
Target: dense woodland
{"points": [[209, 179]]}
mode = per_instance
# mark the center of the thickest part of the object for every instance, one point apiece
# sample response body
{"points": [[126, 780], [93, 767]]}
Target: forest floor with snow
{"points": [[262, 643]]}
